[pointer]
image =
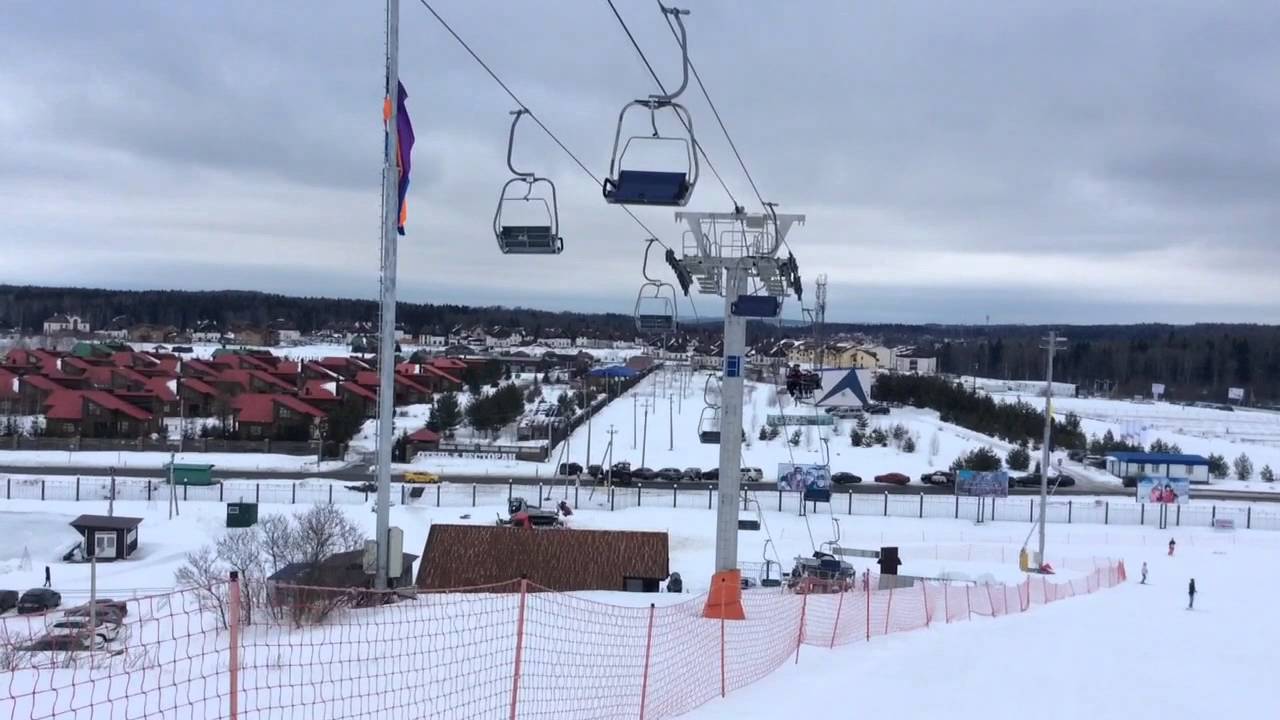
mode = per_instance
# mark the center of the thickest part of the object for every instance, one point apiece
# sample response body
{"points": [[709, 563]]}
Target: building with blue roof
{"points": [[1130, 466]]}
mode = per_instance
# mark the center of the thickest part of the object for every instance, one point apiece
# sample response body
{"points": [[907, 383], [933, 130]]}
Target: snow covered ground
{"points": [[1201, 431], [152, 460], [671, 410]]}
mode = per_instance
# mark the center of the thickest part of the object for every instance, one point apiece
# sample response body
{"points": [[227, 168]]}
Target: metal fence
{"points": [[1011, 509]]}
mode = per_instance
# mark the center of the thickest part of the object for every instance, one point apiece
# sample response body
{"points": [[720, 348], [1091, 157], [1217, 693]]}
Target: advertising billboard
{"points": [[971, 483], [1164, 490], [1236, 394], [799, 478], [1157, 390]]}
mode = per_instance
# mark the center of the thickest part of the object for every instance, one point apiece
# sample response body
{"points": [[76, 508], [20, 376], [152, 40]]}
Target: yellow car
{"points": [[421, 477]]}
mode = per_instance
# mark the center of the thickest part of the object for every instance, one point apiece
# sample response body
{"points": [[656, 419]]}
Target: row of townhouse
{"points": [[111, 391], [845, 354]]}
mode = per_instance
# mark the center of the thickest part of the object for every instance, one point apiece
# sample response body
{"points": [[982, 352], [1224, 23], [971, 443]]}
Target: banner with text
{"points": [[803, 477], [971, 483]]}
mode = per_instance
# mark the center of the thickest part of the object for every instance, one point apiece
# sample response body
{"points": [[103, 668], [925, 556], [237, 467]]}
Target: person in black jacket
{"points": [[1191, 594]]}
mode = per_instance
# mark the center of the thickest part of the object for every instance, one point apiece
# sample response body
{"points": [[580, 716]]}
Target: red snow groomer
{"points": [[802, 383], [521, 515]]}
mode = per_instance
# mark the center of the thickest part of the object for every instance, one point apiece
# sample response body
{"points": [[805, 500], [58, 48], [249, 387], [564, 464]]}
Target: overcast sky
{"points": [[1030, 162]]}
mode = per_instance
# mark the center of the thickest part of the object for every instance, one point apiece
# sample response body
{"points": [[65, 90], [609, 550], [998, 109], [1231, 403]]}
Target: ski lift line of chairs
{"points": [[524, 238], [709, 426], [656, 303], [654, 187]]}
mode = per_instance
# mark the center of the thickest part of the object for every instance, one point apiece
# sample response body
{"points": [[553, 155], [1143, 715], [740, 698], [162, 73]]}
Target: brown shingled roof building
{"points": [[462, 556]]}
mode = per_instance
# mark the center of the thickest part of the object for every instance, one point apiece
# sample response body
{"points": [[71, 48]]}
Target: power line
{"points": [[697, 145], [732, 145], [532, 115]]}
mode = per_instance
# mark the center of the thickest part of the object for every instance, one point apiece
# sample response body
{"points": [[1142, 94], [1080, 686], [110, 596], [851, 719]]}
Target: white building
{"points": [[915, 365], [59, 324]]}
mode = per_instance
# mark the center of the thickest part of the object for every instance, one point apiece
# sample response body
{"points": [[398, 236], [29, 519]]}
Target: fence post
{"points": [[638, 501], [77, 488], [924, 589], [866, 585], [1068, 512], [921, 506], [508, 491], [779, 501], [804, 608], [148, 490], [957, 507], [1142, 513], [515, 675], [886, 503], [42, 488], [1248, 517], [1031, 511], [708, 497], [233, 646], [611, 495], [888, 611], [293, 493], [848, 492], [575, 495], [1106, 513], [839, 606], [184, 492], [330, 493], [968, 600], [674, 495], [723, 684], [8, 488], [648, 651]]}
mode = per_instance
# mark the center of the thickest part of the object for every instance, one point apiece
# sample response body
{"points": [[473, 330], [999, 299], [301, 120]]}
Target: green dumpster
{"points": [[190, 474], [242, 514]]}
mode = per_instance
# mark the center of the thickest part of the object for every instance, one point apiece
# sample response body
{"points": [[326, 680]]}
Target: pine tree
{"points": [[1243, 467], [1018, 458], [795, 438], [908, 444], [1218, 466], [446, 413], [1266, 475], [764, 433], [863, 423]]}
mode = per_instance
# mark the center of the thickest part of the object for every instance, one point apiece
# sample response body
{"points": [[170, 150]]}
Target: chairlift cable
{"points": [[532, 115], [732, 145], [663, 88]]}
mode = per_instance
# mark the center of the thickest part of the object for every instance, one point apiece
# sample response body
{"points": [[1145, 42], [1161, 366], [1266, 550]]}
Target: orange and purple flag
{"points": [[404, 149]]}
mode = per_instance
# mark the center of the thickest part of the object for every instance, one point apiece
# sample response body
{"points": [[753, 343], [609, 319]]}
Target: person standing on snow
{"points": [[1191, 594], [1144, 574], [1171, 545]]}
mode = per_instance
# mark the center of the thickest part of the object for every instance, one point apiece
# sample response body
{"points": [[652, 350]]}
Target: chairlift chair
{"points": [[656, 302], [523, 238], [654, 187], [709, 426]]}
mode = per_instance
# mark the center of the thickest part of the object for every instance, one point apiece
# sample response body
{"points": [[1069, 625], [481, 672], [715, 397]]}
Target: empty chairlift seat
{"points": [[648, 187], [528, 223]]}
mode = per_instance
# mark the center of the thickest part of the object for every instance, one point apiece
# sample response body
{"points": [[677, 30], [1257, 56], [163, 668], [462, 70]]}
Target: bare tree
{"points": [[204, 575], [276, 536], [322, 531], [241, 550]]}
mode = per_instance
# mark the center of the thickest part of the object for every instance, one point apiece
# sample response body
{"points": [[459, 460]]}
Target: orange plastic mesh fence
{"points": [[505, 651]]}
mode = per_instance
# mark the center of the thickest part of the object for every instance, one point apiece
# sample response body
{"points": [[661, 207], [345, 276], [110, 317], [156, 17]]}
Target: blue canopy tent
{"points": [[613, 371]]}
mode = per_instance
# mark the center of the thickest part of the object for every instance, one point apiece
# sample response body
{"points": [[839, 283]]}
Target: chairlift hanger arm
{"points": [[511, 141], [677, 13]]}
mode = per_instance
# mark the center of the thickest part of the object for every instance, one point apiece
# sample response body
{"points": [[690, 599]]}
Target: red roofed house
{"points": [[34, 392], [347, 367], [234, 382], [328, 395], [10, 398], [198, 396], [407, 391], [430, 377], [422, 441], [95, 414], [271, 416]]}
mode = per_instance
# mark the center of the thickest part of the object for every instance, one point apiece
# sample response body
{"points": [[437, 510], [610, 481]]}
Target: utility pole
{"points": [[173, 490], [111, 499], [644, 445], [1051, 345], [182, 413], [671, 424], [634, 405], [609, 457], [387, 324]]}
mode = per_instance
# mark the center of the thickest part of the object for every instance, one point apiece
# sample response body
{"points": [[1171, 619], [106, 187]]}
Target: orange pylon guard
{"points": [[724, 602]]}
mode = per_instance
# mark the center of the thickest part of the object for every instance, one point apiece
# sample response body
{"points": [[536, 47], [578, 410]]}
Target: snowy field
{"points": [[1201, 431], [662, 414], [245, 462]]}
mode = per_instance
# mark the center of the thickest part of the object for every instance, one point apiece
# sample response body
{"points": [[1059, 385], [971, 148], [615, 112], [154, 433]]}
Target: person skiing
{"points": [[1171, 546], [1144, 574], [1191, 594], [48, 580]]}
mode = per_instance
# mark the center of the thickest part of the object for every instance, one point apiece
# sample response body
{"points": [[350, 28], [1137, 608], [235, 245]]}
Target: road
{"points": [[1085, 485]]}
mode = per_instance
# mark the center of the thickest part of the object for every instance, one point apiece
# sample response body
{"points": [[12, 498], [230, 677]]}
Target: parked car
{"points": [[691, 473], [104, 631], [103, 608], [670, 474], [1096, 461], [1076, 455], [644, 473], [569, 469], [38, 600], [711, 474], [595, 471], [938, 477], [620, 472], [845, 478], [893, 478], [8, 600], [421, 477], [844, 412], [752, 474]]}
